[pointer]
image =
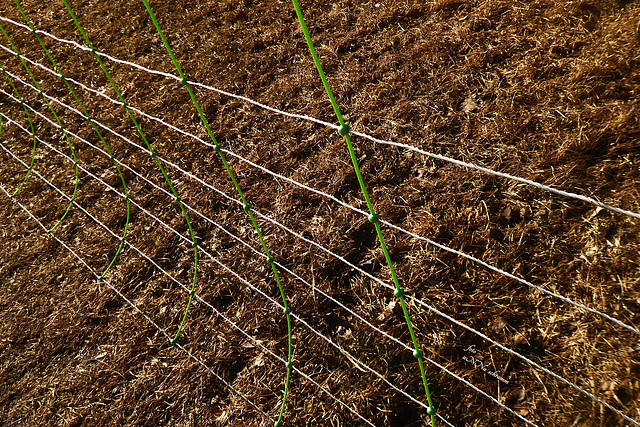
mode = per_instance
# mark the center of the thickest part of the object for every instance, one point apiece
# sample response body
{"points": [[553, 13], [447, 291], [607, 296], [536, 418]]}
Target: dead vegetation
{"points": [[546, 90]]}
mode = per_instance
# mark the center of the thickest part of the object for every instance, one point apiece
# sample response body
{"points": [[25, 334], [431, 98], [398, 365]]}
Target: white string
{"points": [[336, 127], [589, 200], [440, 246], [167, 75], [349, 356], [402, 230], [502, 175], [181, 131], [451, 319], [433, 309], [204, 217], [518, 279], [344, 352], [436, 311], [205, 252], [185, 287], [99, 277]]}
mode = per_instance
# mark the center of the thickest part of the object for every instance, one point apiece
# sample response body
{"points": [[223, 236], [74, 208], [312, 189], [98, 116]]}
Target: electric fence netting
{"points": [[295, 261]]}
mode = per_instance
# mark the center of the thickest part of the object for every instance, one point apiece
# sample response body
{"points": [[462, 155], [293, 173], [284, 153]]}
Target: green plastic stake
{"points": [[246, 206], [93, 125], [155, 158], [344, 130]]}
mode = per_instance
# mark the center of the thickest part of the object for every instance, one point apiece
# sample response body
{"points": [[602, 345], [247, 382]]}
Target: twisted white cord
{"points": [[184, 286], [468, 165], [136, 308], [400, 229], [391, 287], [336, 127], [350, 357]]}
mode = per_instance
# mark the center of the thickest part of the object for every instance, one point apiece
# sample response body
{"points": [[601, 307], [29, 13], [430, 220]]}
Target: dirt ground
{"points": [[546, 90]]}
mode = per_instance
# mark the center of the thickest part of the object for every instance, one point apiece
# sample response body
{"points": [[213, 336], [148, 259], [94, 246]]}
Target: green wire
{"points": [[246, 205], [155, 157], [86, 114], [344, 130], [33, 131], [73, 154]]}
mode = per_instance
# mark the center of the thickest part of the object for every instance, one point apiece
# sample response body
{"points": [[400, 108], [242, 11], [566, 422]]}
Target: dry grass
{"points": [[547, 90]]}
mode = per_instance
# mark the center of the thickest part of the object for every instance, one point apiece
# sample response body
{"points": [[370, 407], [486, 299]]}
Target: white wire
{"points": [[203, 251], [402, 230], [336, 127], [348, 355], [185, 287], [518, 279], [327, 339], [502, 175], [433, 309], [204, 217], [470, 329], [181, 131], [170, 76], [99, 277], [438, 245], [436, 311], [468, 165], [344, 352]]}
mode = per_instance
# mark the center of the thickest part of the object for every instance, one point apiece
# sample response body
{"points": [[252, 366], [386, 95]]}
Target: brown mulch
{"points": [[546, 90]]}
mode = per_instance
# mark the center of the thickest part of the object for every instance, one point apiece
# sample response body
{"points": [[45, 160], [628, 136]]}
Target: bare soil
{"points": [[543, 89]]}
